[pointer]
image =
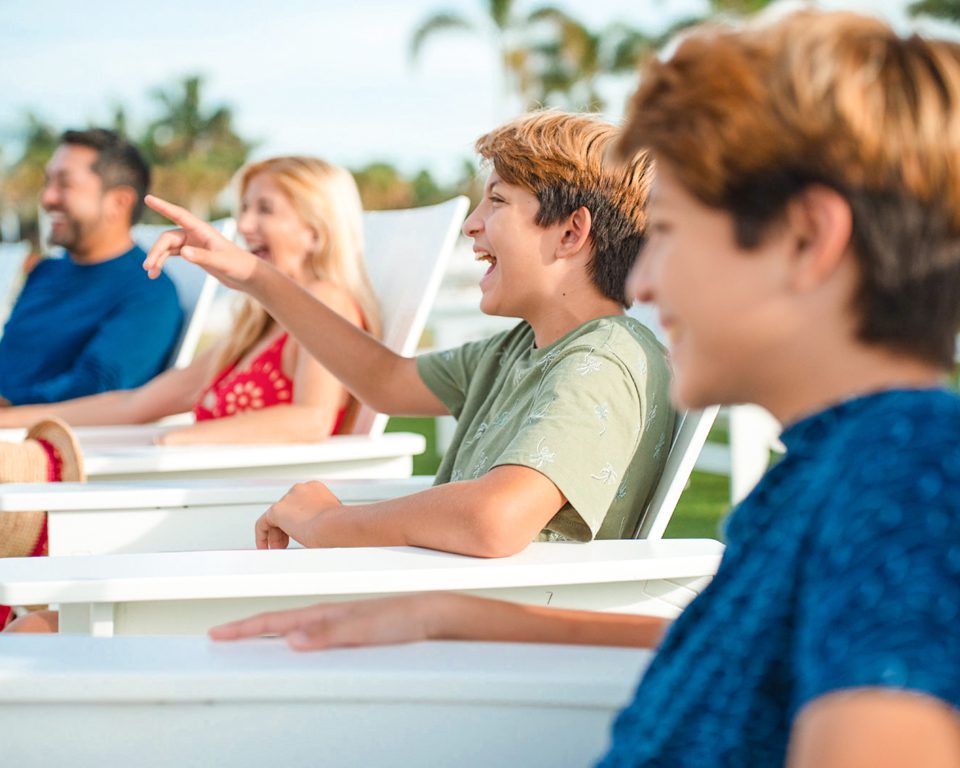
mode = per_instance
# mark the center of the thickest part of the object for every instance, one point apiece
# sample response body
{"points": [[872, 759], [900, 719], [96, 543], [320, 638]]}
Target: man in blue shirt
{"points": [[90, 320]]}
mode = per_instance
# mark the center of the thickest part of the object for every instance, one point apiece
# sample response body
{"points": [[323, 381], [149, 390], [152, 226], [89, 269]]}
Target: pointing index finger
{"points": [[175, 213]]}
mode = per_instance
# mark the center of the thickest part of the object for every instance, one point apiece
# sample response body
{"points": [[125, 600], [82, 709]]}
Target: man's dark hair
{"points": [[119, 162]]}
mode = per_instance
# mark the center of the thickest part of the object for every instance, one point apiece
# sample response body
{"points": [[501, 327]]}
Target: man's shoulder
{"points": [[130, 264], [50, 265]]}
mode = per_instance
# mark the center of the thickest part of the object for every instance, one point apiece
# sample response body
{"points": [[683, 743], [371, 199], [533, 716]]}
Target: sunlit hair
{"points": [[326, 199], [748, 118], [560, 158]]}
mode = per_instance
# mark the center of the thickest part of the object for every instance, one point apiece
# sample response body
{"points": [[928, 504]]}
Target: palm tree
{"points": [[571, 58], [566, 62], [948, 10], [23, 181], [382, 187], [507, 30], [194, 150], [725, 8]]}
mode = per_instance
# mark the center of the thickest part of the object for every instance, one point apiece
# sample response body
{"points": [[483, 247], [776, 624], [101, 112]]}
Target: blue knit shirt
{"points": [[842, 570], [80, 329]]}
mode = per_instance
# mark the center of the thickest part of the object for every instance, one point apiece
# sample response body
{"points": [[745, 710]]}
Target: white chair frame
{"points": [[152, 586], [154, 702], [188, 592]]}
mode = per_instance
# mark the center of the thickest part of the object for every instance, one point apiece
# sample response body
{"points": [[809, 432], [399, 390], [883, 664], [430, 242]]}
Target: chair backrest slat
{"points": [[407, 252]]}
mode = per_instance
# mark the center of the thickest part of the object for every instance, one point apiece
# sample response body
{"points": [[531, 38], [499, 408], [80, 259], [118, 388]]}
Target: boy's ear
{"points": [[576, 233], [820, 223]]}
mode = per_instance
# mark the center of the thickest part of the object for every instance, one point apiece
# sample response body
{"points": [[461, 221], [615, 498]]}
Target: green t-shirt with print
{"points": [[590, 412]]}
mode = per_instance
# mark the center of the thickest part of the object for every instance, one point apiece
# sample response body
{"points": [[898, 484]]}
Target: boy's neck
{"points": [[563, 316], [792, 392]]}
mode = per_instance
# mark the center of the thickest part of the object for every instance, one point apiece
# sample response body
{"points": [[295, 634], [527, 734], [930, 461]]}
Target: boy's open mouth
{"points": [[484, 256]]}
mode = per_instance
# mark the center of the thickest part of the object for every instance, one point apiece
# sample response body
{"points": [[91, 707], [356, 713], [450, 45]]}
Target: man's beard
{"points": [[68, 235]]}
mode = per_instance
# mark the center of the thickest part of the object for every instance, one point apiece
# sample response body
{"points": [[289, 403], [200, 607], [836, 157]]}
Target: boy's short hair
{"points": [[560, 158], [119, 163], [748, 118]]}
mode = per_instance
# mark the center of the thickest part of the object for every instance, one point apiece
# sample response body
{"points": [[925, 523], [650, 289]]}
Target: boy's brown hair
{"points": [[560, 158], [748, 118]]}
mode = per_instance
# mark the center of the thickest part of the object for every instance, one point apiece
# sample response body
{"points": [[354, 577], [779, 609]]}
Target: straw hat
{"points": [[50, 452]]}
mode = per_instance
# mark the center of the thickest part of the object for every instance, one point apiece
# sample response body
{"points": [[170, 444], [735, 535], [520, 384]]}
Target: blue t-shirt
{"points": [[842, 570], [80, 329]]}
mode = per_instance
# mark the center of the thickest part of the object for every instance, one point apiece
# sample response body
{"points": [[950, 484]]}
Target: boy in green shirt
{"points": [[564, 421]]}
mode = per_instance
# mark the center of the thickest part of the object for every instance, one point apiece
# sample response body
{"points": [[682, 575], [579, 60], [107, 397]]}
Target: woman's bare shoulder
{"points": [[338, 298]]}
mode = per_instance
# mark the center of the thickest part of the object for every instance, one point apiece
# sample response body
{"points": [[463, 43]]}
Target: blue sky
{"points": [[313, 76]]}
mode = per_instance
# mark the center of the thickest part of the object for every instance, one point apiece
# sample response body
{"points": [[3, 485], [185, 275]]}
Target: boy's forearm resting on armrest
{"points": [[444, 616], [494, 516]]}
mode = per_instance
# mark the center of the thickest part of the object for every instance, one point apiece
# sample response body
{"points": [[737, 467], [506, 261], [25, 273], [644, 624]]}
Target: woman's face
{"points": [[274, 230]]}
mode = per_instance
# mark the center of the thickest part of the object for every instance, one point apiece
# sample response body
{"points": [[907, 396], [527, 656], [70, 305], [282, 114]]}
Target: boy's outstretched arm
{"points": [[376, 375], [495, 515], [443, 616]]}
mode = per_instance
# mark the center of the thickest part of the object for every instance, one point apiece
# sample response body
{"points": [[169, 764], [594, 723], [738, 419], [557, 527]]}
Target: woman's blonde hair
{"points": [[325, 197]]}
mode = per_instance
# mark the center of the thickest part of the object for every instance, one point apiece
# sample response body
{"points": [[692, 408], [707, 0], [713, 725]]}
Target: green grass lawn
{"points": [[698, 515]]}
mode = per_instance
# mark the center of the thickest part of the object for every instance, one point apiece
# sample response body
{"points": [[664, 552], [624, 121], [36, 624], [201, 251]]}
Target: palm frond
{"points": [[948, 10], [439, 22]]}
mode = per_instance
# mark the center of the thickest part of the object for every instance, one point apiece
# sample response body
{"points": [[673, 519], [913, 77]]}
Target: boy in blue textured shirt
{"points": [[804, 251], [89, 321]]}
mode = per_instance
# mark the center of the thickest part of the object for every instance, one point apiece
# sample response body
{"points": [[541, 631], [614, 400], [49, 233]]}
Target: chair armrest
{"points": [[342, 708], [157, 516], [604, 575]]}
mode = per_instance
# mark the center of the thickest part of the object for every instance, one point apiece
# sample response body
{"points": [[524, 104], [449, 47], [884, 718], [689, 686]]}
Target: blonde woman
{"points": [[302, 215]]}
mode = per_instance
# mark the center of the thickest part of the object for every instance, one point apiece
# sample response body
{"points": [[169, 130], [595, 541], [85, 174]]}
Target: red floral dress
{"points": [[262, 384]]}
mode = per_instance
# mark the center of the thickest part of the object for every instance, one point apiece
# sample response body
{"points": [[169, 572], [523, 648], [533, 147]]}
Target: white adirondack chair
{"points": [[754, 433], [12, 258], [188, 592], [407, 253], [155, 702], [170, 516], [165, 579]]}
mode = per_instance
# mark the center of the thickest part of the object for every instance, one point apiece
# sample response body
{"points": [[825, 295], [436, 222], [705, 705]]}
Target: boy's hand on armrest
{"points": [[294, 514]]}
